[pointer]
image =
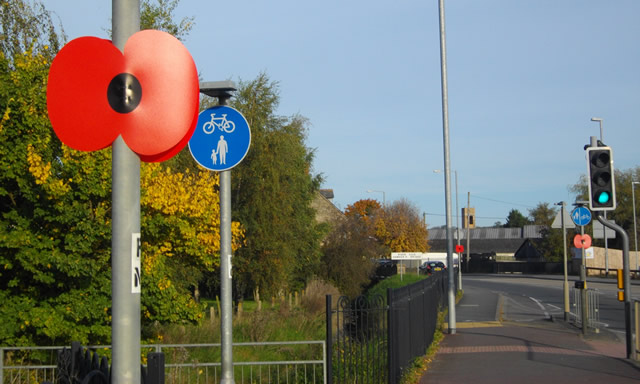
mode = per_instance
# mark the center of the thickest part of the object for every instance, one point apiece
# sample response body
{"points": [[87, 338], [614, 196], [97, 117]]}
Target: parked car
{"points": [[429, 267]]}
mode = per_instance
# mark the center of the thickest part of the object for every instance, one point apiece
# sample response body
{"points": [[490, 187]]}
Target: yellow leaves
{"points": [[6, 115], [170, 193], [164, 284], [41, 171], [37, 167]]}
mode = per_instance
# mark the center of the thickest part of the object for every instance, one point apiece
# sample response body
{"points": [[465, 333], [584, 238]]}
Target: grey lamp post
{"points": [[565, 289], [384, 203], [606, 245], [125, 239], [451, 299], [635, 230], [223, 90]]}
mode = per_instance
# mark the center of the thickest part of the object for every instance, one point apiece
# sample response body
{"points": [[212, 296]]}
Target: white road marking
{"points": [[546, 314]]}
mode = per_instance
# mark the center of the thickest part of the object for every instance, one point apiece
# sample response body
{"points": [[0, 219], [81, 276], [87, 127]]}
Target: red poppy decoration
{"points": [[149, 94]]}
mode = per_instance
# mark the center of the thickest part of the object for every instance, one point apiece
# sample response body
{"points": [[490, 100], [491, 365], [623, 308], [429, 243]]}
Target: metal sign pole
{"points": [[226, 323], [125, 241], [226, 287], [222, 91], [566, 279]]}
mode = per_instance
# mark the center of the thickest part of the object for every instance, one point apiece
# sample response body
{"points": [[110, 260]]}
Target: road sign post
{"points": [[581, 216], [220, 142]]}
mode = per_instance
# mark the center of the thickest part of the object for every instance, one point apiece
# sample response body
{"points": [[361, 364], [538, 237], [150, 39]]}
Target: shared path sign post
{"points": [[220, 142], [581, 216]]}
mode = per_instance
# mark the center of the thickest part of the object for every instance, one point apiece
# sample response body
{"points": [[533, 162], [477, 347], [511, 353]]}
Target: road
{"points": [[528, 298]]}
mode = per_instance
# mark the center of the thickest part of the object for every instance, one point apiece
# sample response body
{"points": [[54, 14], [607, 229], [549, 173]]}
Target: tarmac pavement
{"points": [[535, 352]]}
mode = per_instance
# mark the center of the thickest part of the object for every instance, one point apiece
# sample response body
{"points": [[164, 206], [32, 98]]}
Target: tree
{"points": [[515, 219], [550, 245], [365, 209], [400, 228], [542, 214], [272, 190], [160, 16], [181, 240], [348, 255]]}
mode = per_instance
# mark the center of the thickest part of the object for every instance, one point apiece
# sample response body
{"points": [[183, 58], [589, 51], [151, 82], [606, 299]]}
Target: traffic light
{"points": [[602, 188]]}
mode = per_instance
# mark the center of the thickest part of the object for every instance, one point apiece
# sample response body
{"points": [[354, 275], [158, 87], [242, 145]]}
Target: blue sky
{"points": [[525, 77]]}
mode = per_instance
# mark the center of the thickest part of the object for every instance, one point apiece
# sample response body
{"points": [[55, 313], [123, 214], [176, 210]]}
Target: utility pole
{"points": [[466, 220]]}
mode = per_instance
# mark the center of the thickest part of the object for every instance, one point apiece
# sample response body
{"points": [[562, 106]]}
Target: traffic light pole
{"points": [[627, 285]]}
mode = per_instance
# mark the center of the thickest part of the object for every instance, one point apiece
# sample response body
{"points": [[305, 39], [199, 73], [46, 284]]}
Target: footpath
{"points": [[536, 352]]}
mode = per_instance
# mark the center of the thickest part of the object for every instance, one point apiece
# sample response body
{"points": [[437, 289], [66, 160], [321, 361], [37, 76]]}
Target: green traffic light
{"points": [[603, 198]]}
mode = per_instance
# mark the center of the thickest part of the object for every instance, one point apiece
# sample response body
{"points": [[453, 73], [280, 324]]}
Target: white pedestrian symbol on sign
{"points": [[222, 150]]}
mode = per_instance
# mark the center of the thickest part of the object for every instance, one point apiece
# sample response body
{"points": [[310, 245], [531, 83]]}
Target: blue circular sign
{"points": [[221, 139], [581, 216]]}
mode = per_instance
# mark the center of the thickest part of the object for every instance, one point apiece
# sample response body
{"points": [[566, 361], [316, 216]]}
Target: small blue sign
{"points": [[221, 139], [581, 216]]}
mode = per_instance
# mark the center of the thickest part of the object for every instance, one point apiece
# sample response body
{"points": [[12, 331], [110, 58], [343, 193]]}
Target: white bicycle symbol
{"points": [[220, 122]]}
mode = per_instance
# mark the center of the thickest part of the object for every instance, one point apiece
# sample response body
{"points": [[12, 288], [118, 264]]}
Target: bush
{"points": [[314, 298]]}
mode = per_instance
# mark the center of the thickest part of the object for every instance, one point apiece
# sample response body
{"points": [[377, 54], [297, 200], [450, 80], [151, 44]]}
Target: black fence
{"points": [[413, 318], [373, 341], [357, 347], [82, 366]]}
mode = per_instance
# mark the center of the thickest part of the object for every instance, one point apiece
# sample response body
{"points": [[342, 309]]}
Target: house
{"points": [[501, 244], [326, 211]]}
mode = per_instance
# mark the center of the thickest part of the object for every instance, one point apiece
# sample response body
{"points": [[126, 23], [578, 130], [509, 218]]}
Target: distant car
{"points": [[385, 268], [428, 267]]}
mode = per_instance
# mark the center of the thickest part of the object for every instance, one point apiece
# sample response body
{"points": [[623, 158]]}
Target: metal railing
{"points": [[187, 363], [593, 308]]}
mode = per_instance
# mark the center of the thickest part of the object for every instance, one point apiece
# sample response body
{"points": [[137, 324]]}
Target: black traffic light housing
{"points": [[601, 184]]}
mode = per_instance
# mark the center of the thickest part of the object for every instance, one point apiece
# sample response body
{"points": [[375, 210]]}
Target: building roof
{"points": [[486, 240], [490, 233], [327, 193]]}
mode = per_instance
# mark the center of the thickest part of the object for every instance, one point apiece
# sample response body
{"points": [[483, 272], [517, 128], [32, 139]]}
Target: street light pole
{"points": [[447, 171], [565, 289], [604, 229], [635, 230], [384, 203], [457, 229], [125, 224]]}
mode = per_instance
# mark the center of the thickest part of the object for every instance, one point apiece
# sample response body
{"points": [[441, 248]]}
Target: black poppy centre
{"points": [[124, 93]]}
